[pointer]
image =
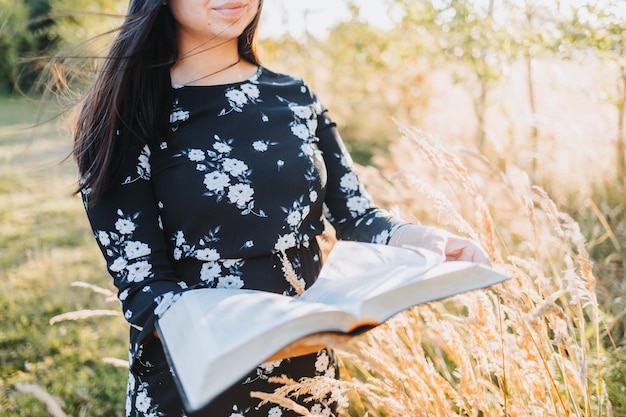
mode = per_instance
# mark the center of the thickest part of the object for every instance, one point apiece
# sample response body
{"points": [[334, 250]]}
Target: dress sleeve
{"points": [[348, 206], [128, 230]]}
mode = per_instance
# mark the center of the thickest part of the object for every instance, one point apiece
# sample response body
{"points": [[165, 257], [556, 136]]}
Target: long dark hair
{"points": [[130, 95]]}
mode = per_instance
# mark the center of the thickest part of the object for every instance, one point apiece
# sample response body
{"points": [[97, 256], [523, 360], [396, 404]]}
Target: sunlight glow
{"points": [[297, 16]]}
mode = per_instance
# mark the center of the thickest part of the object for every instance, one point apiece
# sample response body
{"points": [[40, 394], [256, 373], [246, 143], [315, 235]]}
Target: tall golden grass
{"points": [[528, 347]]}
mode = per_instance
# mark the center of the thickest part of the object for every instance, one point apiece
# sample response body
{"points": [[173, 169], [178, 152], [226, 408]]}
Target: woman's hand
{"points": [[450, 246]]}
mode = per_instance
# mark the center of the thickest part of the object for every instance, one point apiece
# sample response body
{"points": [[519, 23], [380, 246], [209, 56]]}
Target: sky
{"points": [[319, 15]]}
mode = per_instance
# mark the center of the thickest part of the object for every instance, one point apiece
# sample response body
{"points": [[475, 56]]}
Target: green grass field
{"points": [[45, 245]]}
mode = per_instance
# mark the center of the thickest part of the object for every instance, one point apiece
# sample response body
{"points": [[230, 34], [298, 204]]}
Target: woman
{"points": [[201, 168]]}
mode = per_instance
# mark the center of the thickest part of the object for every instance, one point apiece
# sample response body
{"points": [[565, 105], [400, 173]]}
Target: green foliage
{"points": [[601, 31], [80, 21], [45, 245], [27, 36], [13, 36], [33, 31], [360, 72]]}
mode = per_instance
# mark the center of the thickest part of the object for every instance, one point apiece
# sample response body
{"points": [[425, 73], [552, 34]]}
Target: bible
{"points": [[214, 337]]}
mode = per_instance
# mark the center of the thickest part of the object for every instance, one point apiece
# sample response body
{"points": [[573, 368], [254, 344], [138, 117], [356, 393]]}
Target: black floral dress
{"points": [[247, 175]]}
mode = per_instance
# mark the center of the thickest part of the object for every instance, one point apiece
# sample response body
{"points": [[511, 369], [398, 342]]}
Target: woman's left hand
{"points": [[450, 246]]}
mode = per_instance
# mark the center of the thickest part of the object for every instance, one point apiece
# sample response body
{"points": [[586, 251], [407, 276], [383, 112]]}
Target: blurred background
{"points": [[534, 89]]}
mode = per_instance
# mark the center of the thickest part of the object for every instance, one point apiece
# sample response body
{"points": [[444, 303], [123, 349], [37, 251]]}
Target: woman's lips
{"points": [[231, 10]]}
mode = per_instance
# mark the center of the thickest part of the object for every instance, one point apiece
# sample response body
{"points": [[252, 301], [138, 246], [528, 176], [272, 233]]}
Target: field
{"points": [[45, 245], [540, 345]]}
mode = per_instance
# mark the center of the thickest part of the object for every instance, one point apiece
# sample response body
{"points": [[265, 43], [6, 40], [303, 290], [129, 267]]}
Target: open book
{"points": [[215, 337]]}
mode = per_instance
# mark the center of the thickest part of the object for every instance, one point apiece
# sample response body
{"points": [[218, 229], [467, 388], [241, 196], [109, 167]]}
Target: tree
{"points": [[464, 32], [601, 30], [367, 75], [14, 36]]}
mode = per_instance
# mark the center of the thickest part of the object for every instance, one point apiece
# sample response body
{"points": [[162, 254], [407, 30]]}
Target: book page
{"points": [[355, 272], [439, 282], [226, 333], [375, 282]]}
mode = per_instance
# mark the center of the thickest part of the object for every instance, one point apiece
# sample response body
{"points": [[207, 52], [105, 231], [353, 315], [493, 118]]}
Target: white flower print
{"points": [[235, 167], [294, 218], [216, 181], [230, 263], [103, 238], [136, 250], [312, 126], [222, 171], [118, 265], [210, 271], [138, 271], [313, 196], [250, 90], [179, 238], [264, 371], [237, 97], [121, 249], [230, 281], [303, 112], [318, 411], [247, 93], [358, 204], [349, 182], [125, 226], [274, 412], [382, 238], [164, 302], [123, 295], [142, 402], [222, 147], [346, 160], [143, 167], [128, 314], [300, 130], [179, 116], [259, 146], [240, 194], [268, 367], [322, 362], [285, 242], [177, 254], [196, 155], [207, 254]]}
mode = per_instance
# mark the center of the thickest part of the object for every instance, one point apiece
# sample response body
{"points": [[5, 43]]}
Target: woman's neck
{"points": [[210, 64]]}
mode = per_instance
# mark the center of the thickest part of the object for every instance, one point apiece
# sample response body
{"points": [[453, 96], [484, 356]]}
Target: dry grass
{"points": [[528, 347]]}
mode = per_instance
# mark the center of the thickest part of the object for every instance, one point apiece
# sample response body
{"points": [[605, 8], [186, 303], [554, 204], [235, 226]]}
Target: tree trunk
{"points": [[621, 140], [534, 130]]}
